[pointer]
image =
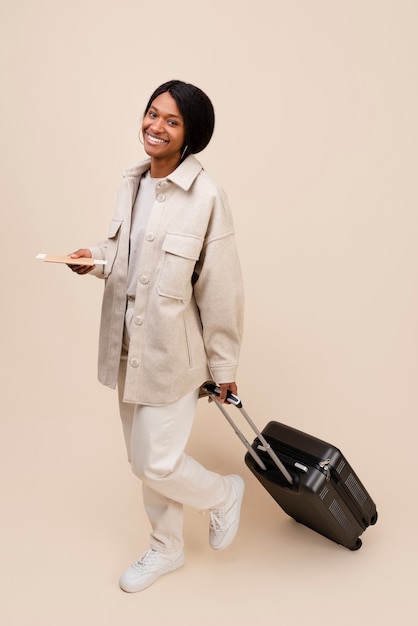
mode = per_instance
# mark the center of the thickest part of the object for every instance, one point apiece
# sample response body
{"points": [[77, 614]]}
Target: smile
{"points": [[153, 139]]}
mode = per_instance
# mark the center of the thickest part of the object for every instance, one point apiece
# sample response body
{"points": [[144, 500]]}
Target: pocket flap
{"points": [[186, 246], [114, 228]]}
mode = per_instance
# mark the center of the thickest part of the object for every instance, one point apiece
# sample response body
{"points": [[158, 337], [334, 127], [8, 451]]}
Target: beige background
{"points": [[315, 145]]}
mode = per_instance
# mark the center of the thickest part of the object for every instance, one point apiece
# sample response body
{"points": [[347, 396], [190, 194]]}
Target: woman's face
{"points": [[163, 129]]}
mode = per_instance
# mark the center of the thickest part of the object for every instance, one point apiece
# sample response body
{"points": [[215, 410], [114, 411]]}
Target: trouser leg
{"points": [[166, 519], [155, 440], [165, 515], [158, 439]]}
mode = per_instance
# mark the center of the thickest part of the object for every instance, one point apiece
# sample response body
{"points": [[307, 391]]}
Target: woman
{"points": [[172, 319]]}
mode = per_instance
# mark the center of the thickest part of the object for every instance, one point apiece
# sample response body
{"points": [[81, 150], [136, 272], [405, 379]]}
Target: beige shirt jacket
{"points": [[188, 318]]}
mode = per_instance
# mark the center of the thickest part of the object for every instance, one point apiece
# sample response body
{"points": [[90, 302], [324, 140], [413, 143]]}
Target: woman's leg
{"points": [[166, 519], [170, 477], [156, 438]]}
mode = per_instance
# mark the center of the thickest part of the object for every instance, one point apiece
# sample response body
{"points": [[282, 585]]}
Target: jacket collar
{"points": [[183, 176]]}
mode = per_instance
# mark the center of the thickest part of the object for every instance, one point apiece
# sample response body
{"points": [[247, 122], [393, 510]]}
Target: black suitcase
{"points": [[310, 479]]}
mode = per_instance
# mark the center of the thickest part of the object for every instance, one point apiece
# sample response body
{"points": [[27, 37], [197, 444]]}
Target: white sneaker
{"points": [[150, 566], [224, 521]]}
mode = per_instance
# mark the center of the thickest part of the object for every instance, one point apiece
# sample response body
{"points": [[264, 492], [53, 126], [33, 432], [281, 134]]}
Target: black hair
{"points": [[197, 112]]}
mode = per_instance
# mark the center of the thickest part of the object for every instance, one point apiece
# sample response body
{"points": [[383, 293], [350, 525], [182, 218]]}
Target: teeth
{"points": [[155, 139]]}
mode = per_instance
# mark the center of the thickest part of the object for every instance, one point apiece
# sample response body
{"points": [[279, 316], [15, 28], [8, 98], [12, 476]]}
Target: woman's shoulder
{"points": [[212, 187], [205, 180]]}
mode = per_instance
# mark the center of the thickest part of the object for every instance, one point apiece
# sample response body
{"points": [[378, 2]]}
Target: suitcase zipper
{"points": [[326, 468], [323, 465]]}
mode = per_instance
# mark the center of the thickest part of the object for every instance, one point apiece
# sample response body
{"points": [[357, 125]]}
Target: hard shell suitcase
{"points": [[309, 478]]}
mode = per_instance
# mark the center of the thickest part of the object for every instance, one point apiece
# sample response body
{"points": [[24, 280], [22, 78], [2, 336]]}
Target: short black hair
{"points": [[197, 112]]}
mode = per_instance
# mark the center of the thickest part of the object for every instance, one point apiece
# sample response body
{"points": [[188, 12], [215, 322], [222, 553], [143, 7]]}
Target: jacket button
{"points": [[138, 320], [163, 184], [161, 197], [144, 279], [150, 236], [134, 362]]}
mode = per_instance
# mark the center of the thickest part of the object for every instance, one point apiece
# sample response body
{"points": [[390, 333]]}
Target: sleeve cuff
{"points": [[223, 374], [99, 269]]}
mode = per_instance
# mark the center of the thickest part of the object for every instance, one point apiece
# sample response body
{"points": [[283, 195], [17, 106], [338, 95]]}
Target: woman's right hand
{"points": [[82, 253]]}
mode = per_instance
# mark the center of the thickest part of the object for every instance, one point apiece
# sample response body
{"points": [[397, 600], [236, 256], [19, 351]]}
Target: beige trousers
{"points": [[155, 439]]}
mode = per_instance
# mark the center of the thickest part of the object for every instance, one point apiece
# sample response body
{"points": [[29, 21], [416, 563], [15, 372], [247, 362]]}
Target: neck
{"points": [[162, 168]]}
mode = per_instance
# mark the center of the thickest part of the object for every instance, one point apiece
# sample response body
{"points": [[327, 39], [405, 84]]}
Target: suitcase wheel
{"points": [[358, 545], [373, 520]]}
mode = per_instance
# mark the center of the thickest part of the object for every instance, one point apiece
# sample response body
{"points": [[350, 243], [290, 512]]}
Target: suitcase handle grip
{"points": [[213, 391]]}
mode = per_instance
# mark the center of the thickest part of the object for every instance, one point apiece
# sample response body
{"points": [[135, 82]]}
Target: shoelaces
{"points": [[216, 523], [147, 560]]}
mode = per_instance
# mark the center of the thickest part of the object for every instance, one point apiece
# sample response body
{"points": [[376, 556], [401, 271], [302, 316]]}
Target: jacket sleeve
{"points": [[98, 252], [106, 250], [219, 294]]}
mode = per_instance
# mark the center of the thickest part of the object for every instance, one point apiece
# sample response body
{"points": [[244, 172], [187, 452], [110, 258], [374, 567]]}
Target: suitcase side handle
{"points": [[213, 391]]}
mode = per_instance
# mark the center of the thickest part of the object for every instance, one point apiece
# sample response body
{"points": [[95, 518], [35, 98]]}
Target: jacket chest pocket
{"points": [[112, 244], [180, 255]]}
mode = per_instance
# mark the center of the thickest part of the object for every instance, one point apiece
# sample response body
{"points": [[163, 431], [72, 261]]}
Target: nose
{"points": [[157, 125]]}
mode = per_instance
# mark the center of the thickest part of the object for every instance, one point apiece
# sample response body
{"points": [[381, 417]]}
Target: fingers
{"points": [[224, 388], [81, 269], [81, 253]]}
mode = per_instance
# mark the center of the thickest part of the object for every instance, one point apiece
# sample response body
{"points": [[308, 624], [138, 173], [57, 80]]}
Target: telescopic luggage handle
{"points": [[214, 391]]}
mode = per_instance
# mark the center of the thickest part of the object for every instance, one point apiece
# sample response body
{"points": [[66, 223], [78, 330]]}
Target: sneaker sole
{"points": [[131, 587]]}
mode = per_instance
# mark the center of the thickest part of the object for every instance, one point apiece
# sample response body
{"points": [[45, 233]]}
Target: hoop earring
{"points": [[139, 137], [184, 152]]}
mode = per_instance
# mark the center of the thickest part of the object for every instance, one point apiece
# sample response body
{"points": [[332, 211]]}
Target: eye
{"points": [[152, 114], [173, 123]]}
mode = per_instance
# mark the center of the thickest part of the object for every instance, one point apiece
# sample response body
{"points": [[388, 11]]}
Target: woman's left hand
{"points": [[224, 388]]}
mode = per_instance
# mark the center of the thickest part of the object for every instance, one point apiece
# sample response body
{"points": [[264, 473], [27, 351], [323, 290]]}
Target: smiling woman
{"points": [[164, 134], [192, 109], [172, 319]]}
